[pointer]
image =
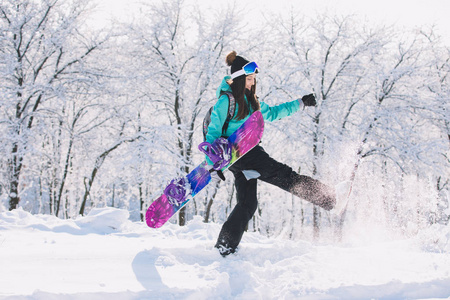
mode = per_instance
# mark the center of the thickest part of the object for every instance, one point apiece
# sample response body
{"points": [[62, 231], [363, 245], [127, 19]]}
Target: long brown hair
{"points": [[239, 91]]}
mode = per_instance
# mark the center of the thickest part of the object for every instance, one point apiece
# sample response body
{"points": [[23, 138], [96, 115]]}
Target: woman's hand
{"points": [[309, 100]]}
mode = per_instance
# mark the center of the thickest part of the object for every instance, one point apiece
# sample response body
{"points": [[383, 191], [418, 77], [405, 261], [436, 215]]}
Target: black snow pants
{"points": [[257, 164]]}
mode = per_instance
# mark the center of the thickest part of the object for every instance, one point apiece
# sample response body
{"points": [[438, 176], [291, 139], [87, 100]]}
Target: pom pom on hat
{"points": [[230, 58]]}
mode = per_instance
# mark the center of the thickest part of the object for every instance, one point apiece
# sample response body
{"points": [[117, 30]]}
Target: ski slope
{"points": [[106, 256]]}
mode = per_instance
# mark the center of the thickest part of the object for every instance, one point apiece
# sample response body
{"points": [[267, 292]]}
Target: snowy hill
{"points": [[106, 256]]}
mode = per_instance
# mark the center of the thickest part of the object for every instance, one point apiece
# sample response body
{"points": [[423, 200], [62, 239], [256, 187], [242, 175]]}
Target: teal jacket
{"points": [[220, 111]]}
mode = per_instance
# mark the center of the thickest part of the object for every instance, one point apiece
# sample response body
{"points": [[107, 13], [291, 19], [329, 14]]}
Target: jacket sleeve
{"points": [[273, 113], [218, 117]]}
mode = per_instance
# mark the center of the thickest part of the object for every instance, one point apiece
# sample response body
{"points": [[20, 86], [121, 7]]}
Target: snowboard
{"points": [[180, 190]]}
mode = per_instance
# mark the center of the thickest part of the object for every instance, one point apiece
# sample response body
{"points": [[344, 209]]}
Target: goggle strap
{"points": [[237, 74]]}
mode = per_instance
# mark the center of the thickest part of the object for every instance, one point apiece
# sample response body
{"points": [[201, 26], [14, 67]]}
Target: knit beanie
{"points": [[236, 62]]}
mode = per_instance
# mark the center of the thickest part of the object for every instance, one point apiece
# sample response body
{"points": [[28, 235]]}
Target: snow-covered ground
{"points": [[106, 256]]}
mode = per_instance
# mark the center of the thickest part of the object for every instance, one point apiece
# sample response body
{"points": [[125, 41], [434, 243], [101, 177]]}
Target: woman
{"points": [[257, 164]]}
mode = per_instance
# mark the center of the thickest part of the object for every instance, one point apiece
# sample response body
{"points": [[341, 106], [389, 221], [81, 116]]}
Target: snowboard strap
{"points": [[219, 173]]}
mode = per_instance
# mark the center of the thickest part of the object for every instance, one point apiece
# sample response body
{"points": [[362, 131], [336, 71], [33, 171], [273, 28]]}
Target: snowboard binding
{"points": [[177, 191], [219, 153]]}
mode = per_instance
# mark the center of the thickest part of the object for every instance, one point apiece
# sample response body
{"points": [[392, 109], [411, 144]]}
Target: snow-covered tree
{"points": [[181, 52], [42, 53]]}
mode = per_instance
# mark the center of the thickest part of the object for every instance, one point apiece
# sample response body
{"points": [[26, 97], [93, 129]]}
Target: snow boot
{"points": [[224, 248]]}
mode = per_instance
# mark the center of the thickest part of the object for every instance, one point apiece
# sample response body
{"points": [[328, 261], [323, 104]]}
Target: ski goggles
{"points": [[249, 68]]}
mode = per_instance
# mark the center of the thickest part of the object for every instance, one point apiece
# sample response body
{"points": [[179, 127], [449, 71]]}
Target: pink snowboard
{"points": [[181, 190]]}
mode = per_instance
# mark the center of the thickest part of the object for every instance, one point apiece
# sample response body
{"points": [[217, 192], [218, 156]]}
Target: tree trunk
{"points": [[210, 202], [87, 189], [98, 163], [63, 179], [316, 221], [15, 167], [316, 211], [141, 202]]}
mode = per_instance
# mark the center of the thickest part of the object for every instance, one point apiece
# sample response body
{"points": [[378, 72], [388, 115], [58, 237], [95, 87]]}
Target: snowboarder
{"points": [[257, 164]]}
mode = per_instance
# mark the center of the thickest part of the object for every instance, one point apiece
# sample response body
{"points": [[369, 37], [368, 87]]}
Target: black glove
{"points": [[309, 100]]}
